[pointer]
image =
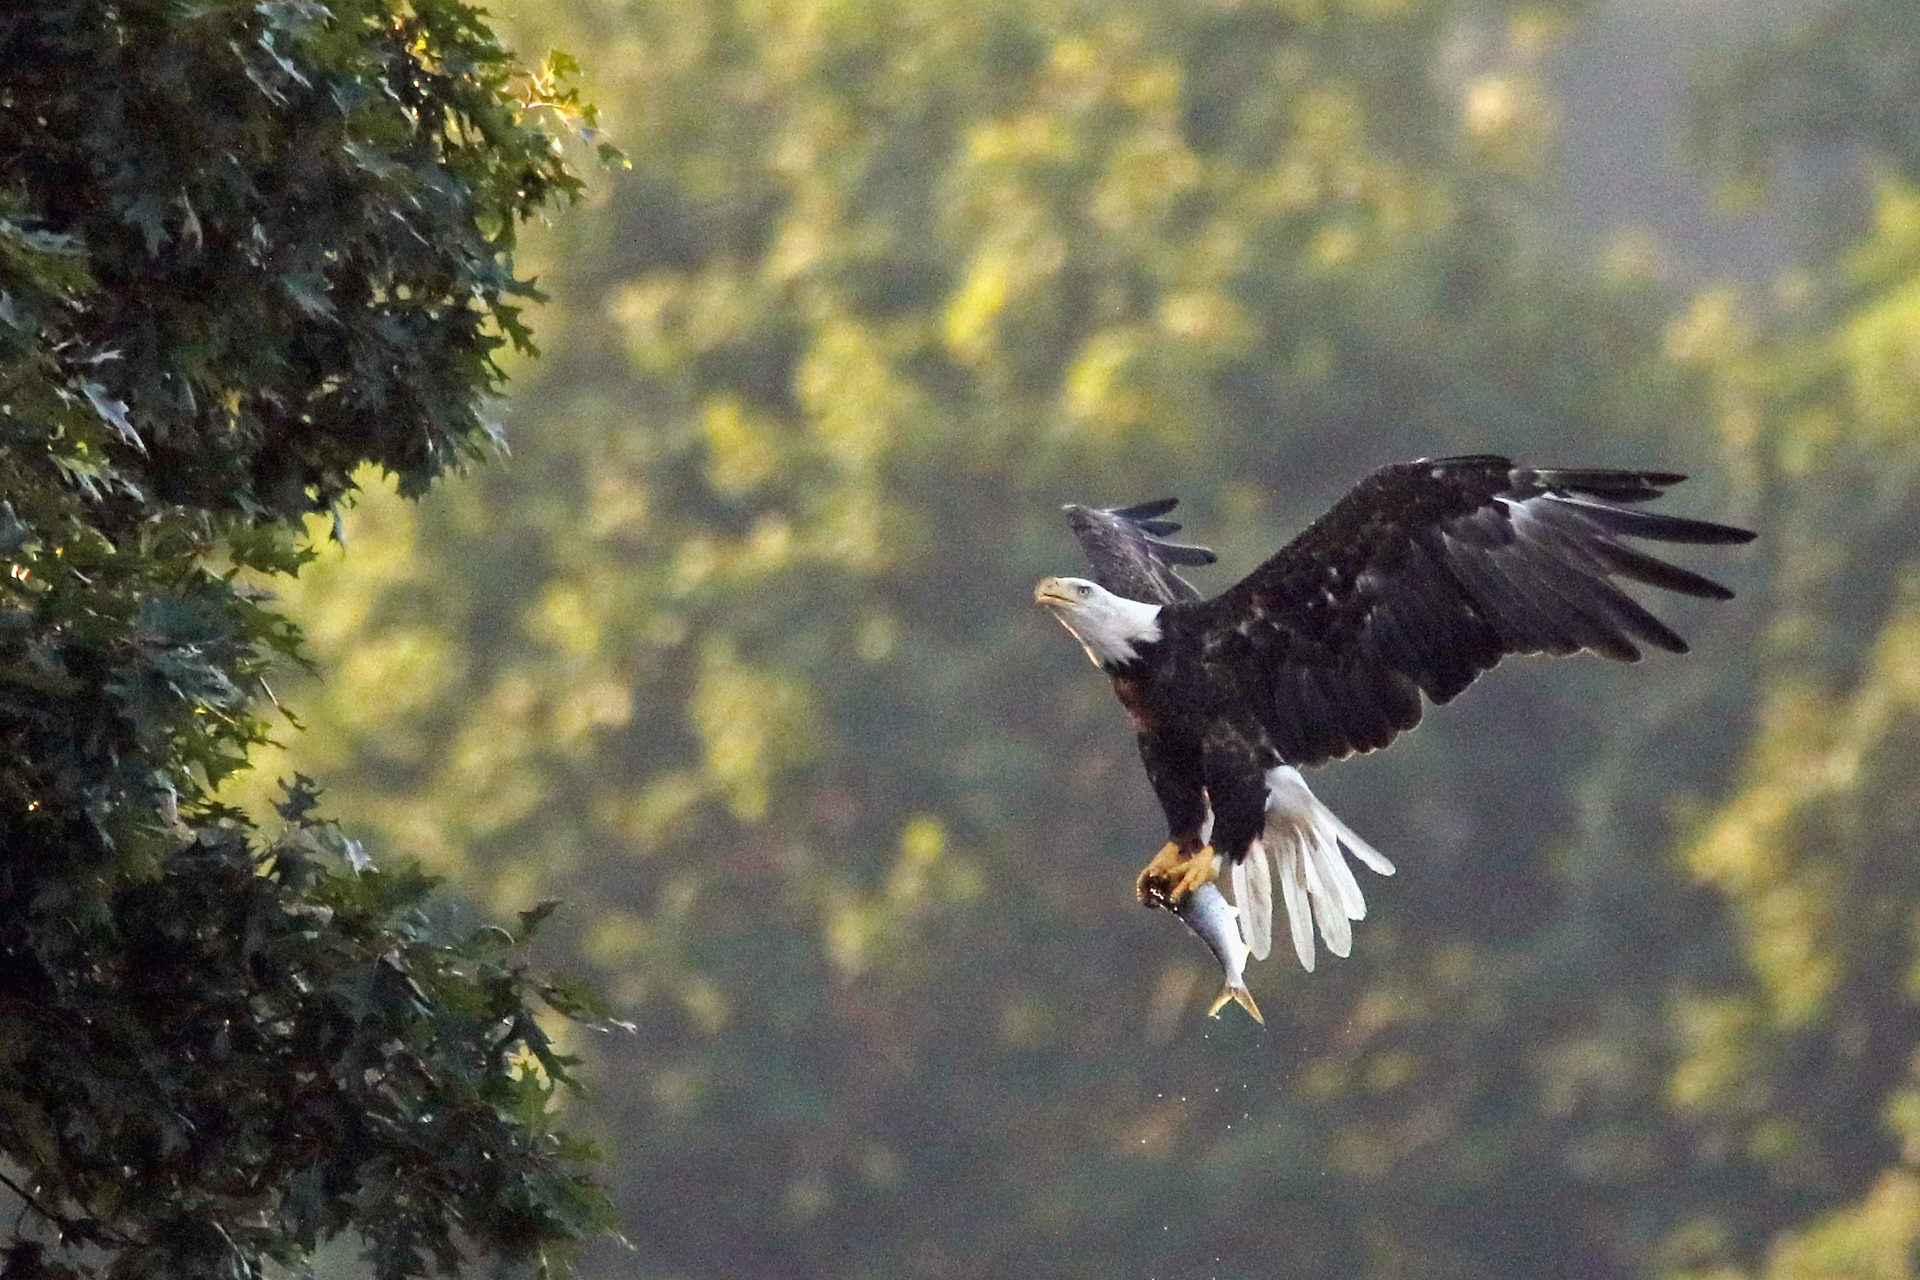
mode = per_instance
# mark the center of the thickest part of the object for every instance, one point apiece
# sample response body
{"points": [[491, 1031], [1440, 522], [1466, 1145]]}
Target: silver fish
{"points": [[1208, 913]]}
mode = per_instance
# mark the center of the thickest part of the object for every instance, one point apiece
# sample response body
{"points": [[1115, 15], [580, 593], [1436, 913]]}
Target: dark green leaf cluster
{"points": [[296, 222], [257, 1049], [245, 251]]}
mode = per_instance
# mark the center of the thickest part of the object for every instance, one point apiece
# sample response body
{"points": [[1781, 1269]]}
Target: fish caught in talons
{"points": [[1207, 912]]}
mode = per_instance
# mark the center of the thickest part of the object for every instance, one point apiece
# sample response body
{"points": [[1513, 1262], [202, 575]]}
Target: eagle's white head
{"points": [[1109, 627]]}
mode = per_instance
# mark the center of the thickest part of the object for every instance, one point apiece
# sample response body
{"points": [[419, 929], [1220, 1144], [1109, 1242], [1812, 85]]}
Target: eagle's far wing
{"points": [[1426, 575], [1130, 557]]}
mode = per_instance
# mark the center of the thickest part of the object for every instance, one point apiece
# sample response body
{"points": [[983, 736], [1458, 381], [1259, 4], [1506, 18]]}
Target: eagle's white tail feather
{"points": [[1253, 895], [1260, 881], [1306, 841], [1242, 899], [1333, 901], [1375, 860], [1293, 892]]}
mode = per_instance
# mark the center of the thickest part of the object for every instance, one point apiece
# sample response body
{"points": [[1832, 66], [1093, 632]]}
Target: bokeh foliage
{"points": [[736, 656], [245, 251]]}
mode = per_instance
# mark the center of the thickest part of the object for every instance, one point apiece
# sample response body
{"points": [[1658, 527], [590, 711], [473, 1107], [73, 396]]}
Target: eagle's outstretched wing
{"points": [[1426, 575], [1126, 549]]}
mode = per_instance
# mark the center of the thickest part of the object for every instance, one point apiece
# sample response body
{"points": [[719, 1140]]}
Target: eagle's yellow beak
{"points": [[1053, 593]]}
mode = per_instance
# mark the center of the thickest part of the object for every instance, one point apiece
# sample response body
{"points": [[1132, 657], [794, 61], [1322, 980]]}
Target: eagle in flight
{"points": [[1424, 576]]}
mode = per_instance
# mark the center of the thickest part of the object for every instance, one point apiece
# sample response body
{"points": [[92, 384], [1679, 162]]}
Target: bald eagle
{"points": [[1424, 576]]}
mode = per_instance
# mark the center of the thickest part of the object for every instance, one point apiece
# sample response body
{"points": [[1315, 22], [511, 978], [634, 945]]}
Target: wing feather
{"points": [[1623, 616], [1126, 548], [1560, 599], [1421, 578], [1644, 569], [1396, 647], [1361, 689], [1524, 625], [1650, 524]]}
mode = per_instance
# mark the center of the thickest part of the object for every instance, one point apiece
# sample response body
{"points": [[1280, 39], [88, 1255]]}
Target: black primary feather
{"points": [[1425, 575], [1126, 548]]}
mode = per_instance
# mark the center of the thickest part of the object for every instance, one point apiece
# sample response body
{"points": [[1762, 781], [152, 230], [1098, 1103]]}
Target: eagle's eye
{"points": [[1082, 590]]}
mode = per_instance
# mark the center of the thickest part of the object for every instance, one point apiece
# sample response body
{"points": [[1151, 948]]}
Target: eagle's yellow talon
{"points": [[1174, 873]]}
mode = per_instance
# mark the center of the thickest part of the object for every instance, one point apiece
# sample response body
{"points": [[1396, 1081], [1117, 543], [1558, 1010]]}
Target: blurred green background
{"points": [[736, 654]]}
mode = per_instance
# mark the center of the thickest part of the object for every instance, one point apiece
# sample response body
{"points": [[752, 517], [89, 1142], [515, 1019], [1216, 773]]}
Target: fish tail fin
{"points": [[1235, 993]]}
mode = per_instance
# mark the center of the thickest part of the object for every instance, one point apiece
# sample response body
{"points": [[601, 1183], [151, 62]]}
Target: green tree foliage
{"points": [[738, 656], [244, 251], [1797, 1063]]}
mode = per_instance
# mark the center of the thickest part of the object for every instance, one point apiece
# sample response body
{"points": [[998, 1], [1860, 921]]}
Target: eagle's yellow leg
{"points": [[1176, 871]]}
